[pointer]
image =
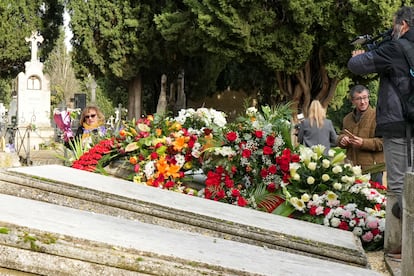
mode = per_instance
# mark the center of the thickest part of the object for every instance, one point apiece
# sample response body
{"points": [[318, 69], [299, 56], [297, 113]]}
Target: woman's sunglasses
{"points": [[90, 116]]}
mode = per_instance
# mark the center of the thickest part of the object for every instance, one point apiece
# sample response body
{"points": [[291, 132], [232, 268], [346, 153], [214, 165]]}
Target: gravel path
{"points": [[377, 262]]}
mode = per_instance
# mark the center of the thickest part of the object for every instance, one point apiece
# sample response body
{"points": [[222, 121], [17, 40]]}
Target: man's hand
{"points": [[344, 141], [356, 141], [357, 52]]}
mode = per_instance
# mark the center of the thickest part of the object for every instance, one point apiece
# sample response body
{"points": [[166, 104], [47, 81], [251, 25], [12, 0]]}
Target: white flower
{"points": [[297, 203], [149, 169], [312, 166], [310, 180], [305, 197], [325, 177], [357, 170], [337, 186], [330, 196], [296, 177], [319, 149], [337, 169], [357, 231], [326, 163], [251, 111], [335, 222]]}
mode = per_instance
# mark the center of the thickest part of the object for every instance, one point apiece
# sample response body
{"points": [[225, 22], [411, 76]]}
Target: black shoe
{"points": [[396, 210]]}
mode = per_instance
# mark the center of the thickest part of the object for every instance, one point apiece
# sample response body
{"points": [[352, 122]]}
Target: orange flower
{"points": [[173, 171], [122, 132], [158, 132], [133, 160], [162, 166], [180, 143]]}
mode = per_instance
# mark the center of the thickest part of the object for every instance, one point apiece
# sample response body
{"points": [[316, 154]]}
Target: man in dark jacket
{"points": [[389, 62]]}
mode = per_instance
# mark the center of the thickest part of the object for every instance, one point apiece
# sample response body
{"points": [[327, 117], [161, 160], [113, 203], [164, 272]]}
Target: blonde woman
{"points": [[316, 129], [91, 123]]}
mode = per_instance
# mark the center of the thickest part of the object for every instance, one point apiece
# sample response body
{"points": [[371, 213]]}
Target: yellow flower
{"points": [[188, 165]]}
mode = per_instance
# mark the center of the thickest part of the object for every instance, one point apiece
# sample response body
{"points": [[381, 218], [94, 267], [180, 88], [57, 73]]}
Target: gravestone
{"points": [[33, 101]]}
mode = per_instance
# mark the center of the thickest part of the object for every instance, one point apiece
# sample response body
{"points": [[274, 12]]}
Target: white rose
{"points": [[337, 186], [296, 177], [325, 177], [326, 163], [310, 180], [337, 169], [357, 170], [335, 222], [312, 166], [305, 197]]}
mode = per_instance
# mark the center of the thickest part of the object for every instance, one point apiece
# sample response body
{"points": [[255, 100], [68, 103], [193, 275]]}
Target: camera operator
{"points": [[388, 60]]}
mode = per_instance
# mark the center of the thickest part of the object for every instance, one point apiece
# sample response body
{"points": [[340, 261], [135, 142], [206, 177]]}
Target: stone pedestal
{"points": [[407, 264], [393, 232]]}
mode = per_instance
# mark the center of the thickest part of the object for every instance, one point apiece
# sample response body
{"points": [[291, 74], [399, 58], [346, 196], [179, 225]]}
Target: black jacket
{"points": [[389, 62]]}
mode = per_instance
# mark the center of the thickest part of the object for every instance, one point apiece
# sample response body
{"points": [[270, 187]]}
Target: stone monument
{"points": [[33, 102]]}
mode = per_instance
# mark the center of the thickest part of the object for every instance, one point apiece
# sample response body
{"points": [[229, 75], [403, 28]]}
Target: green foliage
{"points": [[4, 230], [18, 20]]}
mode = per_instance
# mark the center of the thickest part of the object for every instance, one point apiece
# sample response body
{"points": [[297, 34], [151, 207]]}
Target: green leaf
{"points": [[284, 210]]}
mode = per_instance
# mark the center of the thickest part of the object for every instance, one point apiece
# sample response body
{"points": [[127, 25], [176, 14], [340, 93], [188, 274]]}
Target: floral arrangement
{"points": [[250, 163]]}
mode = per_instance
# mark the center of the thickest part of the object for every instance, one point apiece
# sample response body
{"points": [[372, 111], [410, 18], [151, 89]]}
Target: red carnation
{"points": [[246, 153], [270, 140], [258, 134], [267, 150], [231, 136], [241, 201]]}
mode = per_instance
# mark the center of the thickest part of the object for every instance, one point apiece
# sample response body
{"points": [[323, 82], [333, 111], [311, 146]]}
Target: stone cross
{"points": [[35, 38]]}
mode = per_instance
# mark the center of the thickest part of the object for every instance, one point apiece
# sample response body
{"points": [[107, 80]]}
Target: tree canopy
{"points": [[18, 20], [289, 50]]}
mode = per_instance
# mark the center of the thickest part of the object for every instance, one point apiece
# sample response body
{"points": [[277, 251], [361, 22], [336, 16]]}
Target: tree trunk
{"points": [[309, 83], [135, 97]]}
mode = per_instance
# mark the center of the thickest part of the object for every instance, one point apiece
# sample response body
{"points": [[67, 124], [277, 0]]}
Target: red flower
{"points": [[169, 184], [258, 134], [263, 173], [241, 201], [271, 187], [270, 140], [231, 136], [154, 155], [235, 193], [272, 169], [312, 211], [267, 150], [246, 153], [343, 225]]}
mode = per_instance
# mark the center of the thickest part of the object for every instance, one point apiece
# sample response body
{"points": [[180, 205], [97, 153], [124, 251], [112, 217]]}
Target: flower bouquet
{"points": [[249, 163]]}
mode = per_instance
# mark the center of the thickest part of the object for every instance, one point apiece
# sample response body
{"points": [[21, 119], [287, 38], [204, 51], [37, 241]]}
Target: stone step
{"points": [[111, 196], [48, 239]]}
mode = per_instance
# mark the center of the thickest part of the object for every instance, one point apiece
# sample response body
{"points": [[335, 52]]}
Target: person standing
{"points": [[316, 129], [91, 123], [388, 60], [358, 133]]}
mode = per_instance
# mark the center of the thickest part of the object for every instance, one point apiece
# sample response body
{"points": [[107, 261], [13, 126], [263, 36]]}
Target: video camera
{"points": [[371, 42]]}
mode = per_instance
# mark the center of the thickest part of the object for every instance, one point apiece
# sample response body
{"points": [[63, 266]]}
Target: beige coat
{"points": [[371, 151]]}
